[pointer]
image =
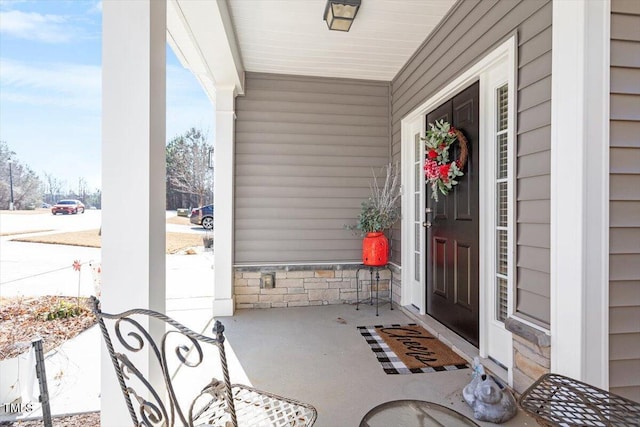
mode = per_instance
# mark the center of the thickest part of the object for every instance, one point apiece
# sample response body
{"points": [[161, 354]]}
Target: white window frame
{"points": [[409, 129], [510, 181], [500, 73]]}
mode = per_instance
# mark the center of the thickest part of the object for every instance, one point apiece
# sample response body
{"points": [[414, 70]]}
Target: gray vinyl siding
{"points": [[624, 205], [470, 31], [305, 147]]}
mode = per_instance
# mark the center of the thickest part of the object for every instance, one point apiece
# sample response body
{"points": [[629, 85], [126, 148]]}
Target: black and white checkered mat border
{"points": [[388, 359]]}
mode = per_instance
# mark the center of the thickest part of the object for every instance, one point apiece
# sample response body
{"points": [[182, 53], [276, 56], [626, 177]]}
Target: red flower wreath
{"points": [[440, 172]]}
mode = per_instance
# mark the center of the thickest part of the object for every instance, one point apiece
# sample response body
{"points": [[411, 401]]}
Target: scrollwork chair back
{"points": [[181, 351]]}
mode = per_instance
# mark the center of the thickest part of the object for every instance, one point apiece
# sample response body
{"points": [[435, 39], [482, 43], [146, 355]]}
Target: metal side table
{"points": [[375, 269], [418, 413]]}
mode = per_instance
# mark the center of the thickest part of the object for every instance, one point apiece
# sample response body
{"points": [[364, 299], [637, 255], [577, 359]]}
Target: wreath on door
{"points": [[440, 171]]}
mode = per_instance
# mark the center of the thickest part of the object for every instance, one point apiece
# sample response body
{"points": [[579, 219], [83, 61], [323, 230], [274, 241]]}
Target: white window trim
{"points": [[493, 78], [506, 50], [580, 193], [408, 130]]}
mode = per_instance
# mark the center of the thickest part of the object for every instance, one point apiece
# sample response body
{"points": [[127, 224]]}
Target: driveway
{"points": [[18, 222]]}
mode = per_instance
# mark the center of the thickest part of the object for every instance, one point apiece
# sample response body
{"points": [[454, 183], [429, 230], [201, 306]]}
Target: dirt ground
{"points": [[23, 318], [91, 419]]}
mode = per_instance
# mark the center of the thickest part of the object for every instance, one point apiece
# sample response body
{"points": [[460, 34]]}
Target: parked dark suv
{"points": [[202, 216]]}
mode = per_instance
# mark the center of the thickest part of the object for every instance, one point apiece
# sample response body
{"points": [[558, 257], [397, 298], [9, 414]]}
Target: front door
{"points": [[452, 269]]}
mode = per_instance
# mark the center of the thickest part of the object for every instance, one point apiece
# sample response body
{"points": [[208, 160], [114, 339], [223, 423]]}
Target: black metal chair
{"points": [[556, 400], [189, 396]]}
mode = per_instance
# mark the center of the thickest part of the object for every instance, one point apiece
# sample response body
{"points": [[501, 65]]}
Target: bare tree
{"points": [[5, 156], [188, 169], [53, 187], [18, 178], [83, 189], [94, 199], [26, 187]]}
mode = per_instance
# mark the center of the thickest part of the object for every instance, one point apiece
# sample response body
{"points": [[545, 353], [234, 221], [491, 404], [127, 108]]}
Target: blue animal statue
{"points": [[489, 401]]}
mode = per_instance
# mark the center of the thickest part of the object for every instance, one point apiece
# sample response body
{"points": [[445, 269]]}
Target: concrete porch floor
{"points": [[316, 355]]}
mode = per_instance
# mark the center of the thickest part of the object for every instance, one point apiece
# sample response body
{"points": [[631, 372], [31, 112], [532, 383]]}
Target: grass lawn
{"points": [[90, 238], [24, 232], [181, 220]]}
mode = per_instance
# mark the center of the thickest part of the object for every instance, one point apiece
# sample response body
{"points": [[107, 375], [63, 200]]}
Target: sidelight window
{"points": [[502, 204], [419, 183]]}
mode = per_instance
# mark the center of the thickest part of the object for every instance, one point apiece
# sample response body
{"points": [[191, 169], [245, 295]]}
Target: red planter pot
{"points": [[375, 249]]}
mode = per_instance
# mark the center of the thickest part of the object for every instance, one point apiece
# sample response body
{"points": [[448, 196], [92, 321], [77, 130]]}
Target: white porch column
{"points": [[223, 304], [133, 172], [580, 190]]}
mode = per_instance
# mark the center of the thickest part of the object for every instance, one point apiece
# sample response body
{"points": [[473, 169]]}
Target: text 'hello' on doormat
{"points": [[410, 349]]}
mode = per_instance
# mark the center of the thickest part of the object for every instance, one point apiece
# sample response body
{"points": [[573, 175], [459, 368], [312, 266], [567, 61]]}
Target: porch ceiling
{"points": [[219, 40], [290, 36]]}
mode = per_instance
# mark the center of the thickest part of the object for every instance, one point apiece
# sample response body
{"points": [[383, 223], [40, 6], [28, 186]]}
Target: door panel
{"points": [[463, 119], [438, 267], [463, 204], [462, 276], [453, 238]]}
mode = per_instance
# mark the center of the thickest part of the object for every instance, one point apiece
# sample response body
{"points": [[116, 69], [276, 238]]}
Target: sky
{"points": [[50, 88]]}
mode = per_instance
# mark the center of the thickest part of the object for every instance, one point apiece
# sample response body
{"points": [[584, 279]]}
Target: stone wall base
{"points": [[531, 354], [306, 285]]}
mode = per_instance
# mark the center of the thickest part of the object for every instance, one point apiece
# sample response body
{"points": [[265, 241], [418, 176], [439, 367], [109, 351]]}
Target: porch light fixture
{"points": [[340, 14]]}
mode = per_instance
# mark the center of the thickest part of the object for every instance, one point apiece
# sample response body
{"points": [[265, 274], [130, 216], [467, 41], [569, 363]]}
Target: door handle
{"points": [[426, 224]]}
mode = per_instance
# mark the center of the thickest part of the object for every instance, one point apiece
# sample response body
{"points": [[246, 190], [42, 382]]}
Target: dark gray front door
{"points": [[452, 240]]}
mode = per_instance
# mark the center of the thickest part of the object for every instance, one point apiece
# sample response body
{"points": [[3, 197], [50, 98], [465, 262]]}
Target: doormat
{"points": [[410, 349]]}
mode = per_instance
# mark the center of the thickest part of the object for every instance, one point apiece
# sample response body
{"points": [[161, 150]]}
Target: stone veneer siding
{"points": [[531, 354], [306, 285]]}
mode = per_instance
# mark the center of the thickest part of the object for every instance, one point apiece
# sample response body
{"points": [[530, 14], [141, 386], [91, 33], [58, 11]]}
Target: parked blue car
{"points": [[202, 216]]}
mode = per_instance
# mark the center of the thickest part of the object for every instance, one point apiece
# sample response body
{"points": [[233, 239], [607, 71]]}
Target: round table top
{"points": [[417, 413]]}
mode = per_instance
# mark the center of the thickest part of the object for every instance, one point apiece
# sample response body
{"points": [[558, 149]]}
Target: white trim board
{"points": [[407, 294], [224, 182], [580, 193], [505, 51], [495, 340]]}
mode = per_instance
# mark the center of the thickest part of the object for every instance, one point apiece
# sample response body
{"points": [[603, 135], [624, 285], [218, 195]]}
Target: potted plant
{"points": [[377, 214]]}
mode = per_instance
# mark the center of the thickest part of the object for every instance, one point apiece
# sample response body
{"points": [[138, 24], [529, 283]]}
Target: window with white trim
{"points": [[502, 203], [418, 185]]}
